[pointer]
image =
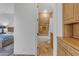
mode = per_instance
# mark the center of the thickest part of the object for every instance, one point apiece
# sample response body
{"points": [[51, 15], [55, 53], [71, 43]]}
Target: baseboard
{"points": [[54, 53], [22, 55]]}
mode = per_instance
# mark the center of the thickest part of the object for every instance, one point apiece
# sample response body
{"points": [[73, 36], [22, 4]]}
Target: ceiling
{"points": [[45, 6]]}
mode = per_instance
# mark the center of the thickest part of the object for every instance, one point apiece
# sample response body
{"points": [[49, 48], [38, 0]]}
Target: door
{"points": [[25, 29]]}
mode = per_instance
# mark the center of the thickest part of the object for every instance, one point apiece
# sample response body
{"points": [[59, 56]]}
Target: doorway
{"points": [[44, 44]]}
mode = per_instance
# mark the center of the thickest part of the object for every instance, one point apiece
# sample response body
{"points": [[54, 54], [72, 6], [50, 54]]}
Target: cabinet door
{"points": [[76, 12], [67, 53], [76, 30], [58, 49], [68, 12], [63, 51], [67, 32], [25, 30]]}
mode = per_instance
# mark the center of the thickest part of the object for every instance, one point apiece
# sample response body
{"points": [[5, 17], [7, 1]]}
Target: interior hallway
{"points": [[44, 49]]}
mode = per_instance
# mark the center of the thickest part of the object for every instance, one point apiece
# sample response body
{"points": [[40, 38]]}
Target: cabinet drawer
{"points": [[70, 49], [73, 51], [67, 53]]}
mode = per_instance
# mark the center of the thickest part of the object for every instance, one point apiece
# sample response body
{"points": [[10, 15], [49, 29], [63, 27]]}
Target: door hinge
{"points": [[37, 19]]}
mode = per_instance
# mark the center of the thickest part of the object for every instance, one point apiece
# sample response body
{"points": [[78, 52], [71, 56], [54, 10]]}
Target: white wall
{"points": [[6, 14], [6, 19], [57, 24], [59, 19], [25, 29], [6, 8]]}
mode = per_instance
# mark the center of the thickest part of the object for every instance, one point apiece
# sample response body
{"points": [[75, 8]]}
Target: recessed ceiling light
{"points": [[45, 11]]}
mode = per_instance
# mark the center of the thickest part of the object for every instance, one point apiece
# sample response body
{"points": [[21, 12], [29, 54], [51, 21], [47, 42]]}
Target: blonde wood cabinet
{"points": [[61, 50], [67, 32], [76, 30], [76, 12], [70, 13], [67, 47], [69, 44], [71, 20]]}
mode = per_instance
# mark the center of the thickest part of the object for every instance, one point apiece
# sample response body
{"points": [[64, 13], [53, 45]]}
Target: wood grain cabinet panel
{"points": [[69, 45], [76, 30], [61, 51], [71, 20], [66, 49], [68, 12], [76, 12], [67, 31]]}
